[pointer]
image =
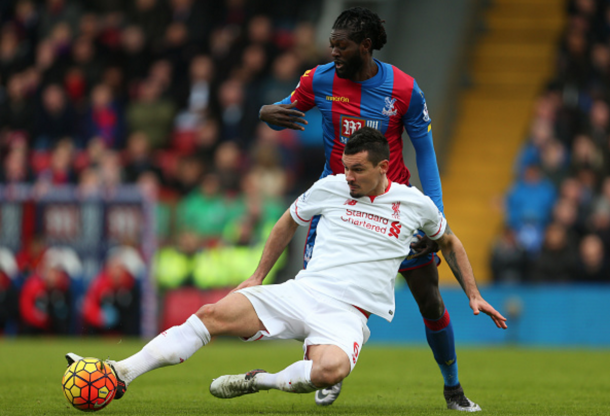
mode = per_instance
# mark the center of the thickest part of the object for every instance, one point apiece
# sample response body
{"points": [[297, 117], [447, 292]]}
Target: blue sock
{"points": [[439, 333]]}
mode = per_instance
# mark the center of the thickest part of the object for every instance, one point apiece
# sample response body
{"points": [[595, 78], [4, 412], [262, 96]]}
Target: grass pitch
{"points": [[387, 380]]}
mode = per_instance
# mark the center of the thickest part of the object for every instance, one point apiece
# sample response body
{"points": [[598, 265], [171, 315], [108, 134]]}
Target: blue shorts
{"points": [[407, 264]]}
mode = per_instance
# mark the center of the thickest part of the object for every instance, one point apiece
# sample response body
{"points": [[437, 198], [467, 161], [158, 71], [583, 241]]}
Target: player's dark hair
{"points": [[362, 23], [368, 139]]}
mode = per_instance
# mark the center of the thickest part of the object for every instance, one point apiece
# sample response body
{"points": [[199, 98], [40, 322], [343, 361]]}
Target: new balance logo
{"points": [[395, 229], [350, 202]]}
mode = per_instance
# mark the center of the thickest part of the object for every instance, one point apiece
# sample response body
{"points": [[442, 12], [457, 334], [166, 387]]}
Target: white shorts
{"points": [[292, 311]]}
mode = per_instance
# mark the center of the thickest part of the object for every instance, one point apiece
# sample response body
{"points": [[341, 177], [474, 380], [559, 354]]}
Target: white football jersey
{"points": [[361, 242]]}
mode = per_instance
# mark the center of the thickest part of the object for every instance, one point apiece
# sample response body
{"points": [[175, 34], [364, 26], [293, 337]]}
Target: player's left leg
{"points": [[327, 366], [423, 283]]}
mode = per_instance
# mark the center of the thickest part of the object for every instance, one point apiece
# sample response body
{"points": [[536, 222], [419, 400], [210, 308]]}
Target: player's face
{"points": [[346, 54], [363, 178]]}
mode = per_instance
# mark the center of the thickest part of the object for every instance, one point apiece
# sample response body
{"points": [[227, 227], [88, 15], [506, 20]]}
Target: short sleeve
{"points": [[433, 220], [303, 93], [309, 204]]}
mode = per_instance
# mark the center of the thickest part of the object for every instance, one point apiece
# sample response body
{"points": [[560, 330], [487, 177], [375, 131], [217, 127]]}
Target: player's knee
{"points": [[206, 311], [209, 316], [330, 371], [432, 307]]}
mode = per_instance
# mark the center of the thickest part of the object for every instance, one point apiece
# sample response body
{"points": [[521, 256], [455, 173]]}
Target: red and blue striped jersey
{"points": [[390, 102]]}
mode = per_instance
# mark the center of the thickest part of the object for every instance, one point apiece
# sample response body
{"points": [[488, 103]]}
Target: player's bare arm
{"points": [[283, 115], [455, 255], [278, 240]]}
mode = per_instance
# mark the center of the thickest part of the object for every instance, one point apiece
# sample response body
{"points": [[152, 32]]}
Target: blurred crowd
{"points": [[48, 295], [163, 94], [557, 226]]}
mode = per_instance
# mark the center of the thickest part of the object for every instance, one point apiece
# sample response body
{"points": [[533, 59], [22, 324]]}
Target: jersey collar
{"points": [[372, 198]]}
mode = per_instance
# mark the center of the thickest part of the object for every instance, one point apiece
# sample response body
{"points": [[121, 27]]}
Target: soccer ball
{"points": [[89, 384]]}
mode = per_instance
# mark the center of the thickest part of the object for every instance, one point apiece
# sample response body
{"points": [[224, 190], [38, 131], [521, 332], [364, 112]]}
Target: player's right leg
{"points": [[423, 283], [232, 315], [327, 366], [333, 337]]}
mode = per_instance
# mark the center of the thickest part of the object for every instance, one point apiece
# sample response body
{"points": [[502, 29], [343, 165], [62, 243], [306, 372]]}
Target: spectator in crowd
{"points": [[86, 59], [104, 118], [599, 122], [205, 210], [177, 50], [54, 118], [592, 266], [112, 301], [554, 162], [585, 154], [27, 19], [135, 58], [254, 212], [556, 262], [46, 63], [227, 165], [174, 265], [17, 112], [188, 175], [60, 171], [529, 205], [284, 76], [194, 94], [15, 168], [57, 11], [271, 181], [138, 157], [232, 110], [13, 55], [509, 260], [9, 293], [152, 16], [110, 170], [151, 114], [46, 299], [207, 139]]}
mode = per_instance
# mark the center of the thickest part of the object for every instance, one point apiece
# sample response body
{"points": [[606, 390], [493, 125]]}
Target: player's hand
{"points": [[423, 246], [480, 305], [283, 115]]}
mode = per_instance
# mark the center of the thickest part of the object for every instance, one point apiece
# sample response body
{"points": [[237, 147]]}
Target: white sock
{"points": [[296, 378], [170, 347]]}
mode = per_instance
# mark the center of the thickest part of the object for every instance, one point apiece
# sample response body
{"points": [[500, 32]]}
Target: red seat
{"points": [[178, 305], [181, 303]]}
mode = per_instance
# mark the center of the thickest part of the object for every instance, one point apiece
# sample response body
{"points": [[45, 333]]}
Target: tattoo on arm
{"points": [[448, 230], [455, 268]]}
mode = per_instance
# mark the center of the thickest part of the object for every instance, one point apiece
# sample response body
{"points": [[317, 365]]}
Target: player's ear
{"points": [[384, 166], [366, 45]]}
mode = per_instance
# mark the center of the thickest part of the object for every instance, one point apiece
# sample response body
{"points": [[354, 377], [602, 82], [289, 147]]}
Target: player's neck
{"points": [[368, 71], [381, 189]]}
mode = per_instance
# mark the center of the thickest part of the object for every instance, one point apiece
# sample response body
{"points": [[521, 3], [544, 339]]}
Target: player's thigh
{"points": [[423, 283], [232, 315]]}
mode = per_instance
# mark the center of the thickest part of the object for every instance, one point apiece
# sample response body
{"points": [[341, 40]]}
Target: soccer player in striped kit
{"points": [[356, 90]]}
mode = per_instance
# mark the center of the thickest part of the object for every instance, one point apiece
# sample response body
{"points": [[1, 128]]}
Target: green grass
{"points": [[386, 381]]}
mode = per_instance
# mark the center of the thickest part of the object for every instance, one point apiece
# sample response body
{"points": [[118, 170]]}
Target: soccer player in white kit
{"points": [[365, 232]]}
